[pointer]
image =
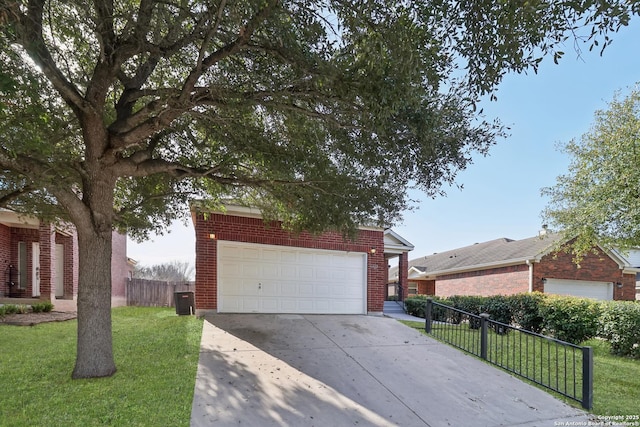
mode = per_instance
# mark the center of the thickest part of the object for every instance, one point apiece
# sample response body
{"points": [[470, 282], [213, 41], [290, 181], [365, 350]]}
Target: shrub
{"points": [[499, 307], [569, 318], [470, 304], [42, 307], [14, 309], [414, 305], [620, 325], [526, 312]]}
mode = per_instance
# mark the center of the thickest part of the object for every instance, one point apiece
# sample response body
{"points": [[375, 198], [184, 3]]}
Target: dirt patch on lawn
{"points": [[30, 319]]}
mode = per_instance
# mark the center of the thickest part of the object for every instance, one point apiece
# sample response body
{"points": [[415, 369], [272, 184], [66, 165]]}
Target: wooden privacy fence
{"points": [[155, 293]]}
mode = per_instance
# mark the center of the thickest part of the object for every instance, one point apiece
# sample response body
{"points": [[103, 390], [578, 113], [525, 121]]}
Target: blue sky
{"points": [[501, 195]]}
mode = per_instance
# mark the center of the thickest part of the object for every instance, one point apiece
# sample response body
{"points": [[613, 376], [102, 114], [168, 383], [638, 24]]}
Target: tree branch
{"points": [[238, 44], [31, 39], [9, 197]]}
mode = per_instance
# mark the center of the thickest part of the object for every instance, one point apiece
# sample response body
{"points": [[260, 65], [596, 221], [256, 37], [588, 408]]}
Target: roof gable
{"points": [[496, 252], [394, 243]]}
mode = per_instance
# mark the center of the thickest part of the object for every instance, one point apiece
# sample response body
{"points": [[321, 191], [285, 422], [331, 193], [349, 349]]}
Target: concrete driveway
{"points": [[325, 370]]}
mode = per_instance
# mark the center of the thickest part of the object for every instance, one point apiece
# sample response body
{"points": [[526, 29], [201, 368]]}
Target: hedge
{"points": [[620, 325], [565, 318], [569, 318]]}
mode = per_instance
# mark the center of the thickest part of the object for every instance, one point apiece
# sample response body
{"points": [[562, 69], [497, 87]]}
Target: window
{"points": [[413, 288], [22, 265]]}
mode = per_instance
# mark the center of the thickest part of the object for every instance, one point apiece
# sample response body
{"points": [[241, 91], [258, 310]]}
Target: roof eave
{"points": [[477, 267]]}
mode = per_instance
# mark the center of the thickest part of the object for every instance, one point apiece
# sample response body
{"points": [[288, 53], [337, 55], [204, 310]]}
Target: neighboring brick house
{"points": [[246, 265], [40, 263], [505, 266]]}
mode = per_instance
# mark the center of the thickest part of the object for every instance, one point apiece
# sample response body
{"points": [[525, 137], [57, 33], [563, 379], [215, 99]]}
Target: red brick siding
{"points": [[67, 280], [494, 281], [47, 260], [403, 273], [597, 267], [5, 258], [426, 287], [254, 230]]}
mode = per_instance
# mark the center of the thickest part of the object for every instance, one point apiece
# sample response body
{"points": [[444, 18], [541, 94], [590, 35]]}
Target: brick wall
{"points": [[403, 273], [254, 230], [47, 260], [5, 258], [597, 267], [426, 287], [494, 281]]}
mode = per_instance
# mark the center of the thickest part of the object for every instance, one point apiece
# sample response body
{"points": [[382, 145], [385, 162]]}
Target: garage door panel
{"points": [[305, 290], [580, 288], [288, 271], [271, 255], [270, 271], [323, 291], [250, 254], [292, 280]]}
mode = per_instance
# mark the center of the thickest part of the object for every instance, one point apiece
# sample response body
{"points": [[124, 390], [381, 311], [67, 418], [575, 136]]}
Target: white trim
{"points": [[35, 269], [530, 264], [16, 220], [252, 212], [395, 244]]}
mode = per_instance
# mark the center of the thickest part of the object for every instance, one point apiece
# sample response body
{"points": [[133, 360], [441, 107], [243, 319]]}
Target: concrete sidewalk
{"points": [[324, 370]]}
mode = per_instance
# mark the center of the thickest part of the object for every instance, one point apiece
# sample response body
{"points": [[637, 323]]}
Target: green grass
{"points": [[616, 383], [156, 353]]}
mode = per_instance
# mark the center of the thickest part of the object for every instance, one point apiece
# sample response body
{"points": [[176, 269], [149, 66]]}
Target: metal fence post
{"points": [[484, 335], [587, 377], [427, 315]]}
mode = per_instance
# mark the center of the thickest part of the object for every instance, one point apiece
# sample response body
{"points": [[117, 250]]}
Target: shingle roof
{"points": [[487, 253]]}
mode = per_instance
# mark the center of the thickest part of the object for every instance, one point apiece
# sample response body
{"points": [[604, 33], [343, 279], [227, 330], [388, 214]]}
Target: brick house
{"points": [[246, 265], [40, 263], [505, 266]]}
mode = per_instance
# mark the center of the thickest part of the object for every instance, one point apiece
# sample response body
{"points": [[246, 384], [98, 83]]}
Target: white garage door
{"points": [[254, 278], [580, 288]]}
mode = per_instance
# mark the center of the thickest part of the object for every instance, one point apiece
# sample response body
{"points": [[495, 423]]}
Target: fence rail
{"points": [[154, 293], [560, 366]]}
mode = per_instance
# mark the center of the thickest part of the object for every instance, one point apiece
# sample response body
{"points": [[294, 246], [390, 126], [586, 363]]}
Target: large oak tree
{"points": [[115, 112]]}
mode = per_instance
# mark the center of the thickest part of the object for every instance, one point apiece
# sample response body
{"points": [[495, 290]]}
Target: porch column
{"points": [[206, 298], [47, 237], [403, 273]]}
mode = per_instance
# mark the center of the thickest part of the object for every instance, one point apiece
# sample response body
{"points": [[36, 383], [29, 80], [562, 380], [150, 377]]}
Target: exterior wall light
{"points": [[372, 251], [212, 236]]}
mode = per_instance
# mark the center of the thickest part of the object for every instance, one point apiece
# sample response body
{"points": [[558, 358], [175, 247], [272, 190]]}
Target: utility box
{"points": [[185, 303]]}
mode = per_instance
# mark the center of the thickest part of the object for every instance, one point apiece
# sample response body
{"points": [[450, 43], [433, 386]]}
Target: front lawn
{"points": [[616, 382], [156, 353]]}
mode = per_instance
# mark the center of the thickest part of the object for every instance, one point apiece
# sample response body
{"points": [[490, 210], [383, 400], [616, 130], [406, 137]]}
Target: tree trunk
{"points": [[94, 356]]}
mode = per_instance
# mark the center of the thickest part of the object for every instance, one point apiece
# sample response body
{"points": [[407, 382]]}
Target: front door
{"points": [[59, 270], [35, 269]]}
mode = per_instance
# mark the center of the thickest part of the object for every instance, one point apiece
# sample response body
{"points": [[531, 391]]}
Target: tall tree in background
{"points": [[598, 201], [175, 271], [115, 112]]}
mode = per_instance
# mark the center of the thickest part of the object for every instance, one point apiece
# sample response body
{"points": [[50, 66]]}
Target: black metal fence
{"points": [[560, 366]]}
